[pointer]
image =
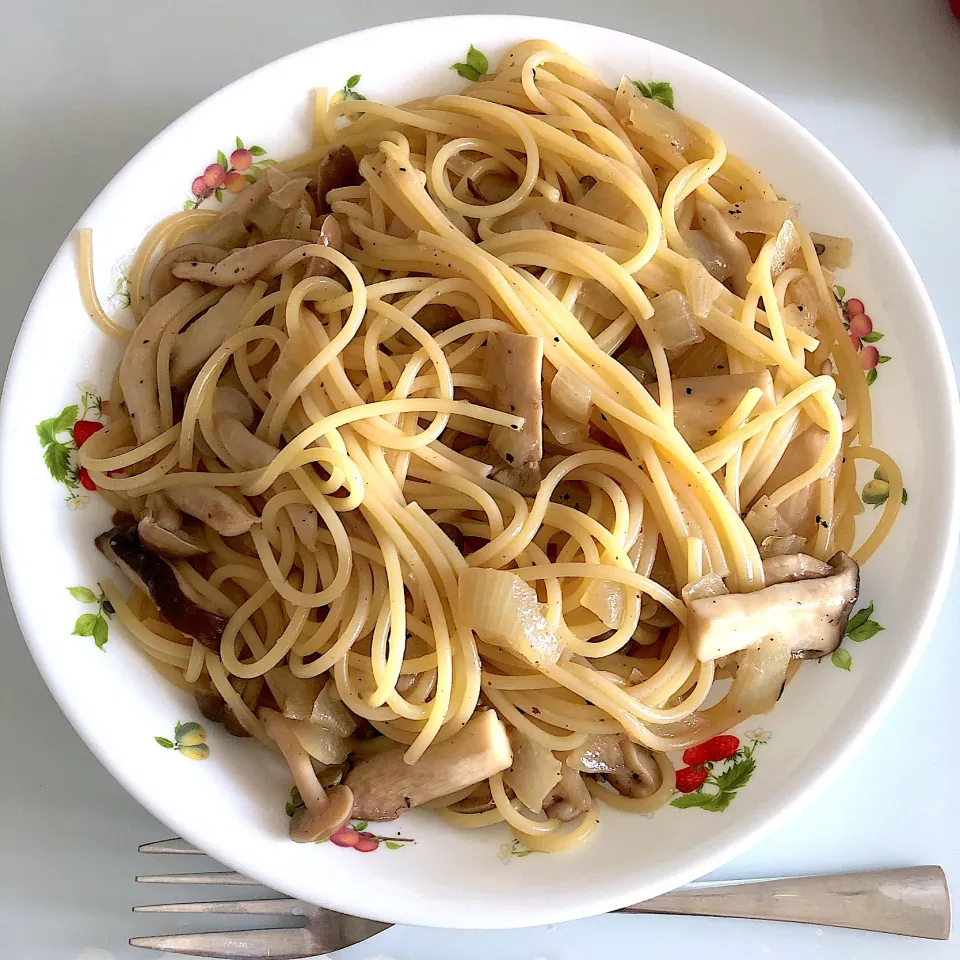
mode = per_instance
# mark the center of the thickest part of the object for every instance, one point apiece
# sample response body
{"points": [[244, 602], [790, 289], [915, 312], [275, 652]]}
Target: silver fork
{"points": [[911, 901]]}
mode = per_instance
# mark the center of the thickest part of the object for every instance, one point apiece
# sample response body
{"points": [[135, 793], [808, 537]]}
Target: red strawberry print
{"points": [[722, 748], [696, 756], [86, 481], [690, 779], [83, 430]]}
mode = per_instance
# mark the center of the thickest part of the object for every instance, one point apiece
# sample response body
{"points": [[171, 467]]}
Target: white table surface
{"points": [[83, 85]]}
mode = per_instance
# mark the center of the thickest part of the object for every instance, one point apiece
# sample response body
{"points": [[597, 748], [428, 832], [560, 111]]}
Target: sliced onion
{"points": [[763, 520], [835, 253], [711, 585], [572, 395], [781, 546], [785, 249], [534, 773], [493, 187], [599, 753], [504, 610], [639, 363], [328, 711], [708, 252], [295, 695], [606, 200], [798, 318], [805, 293], [527, 220], [654, 119], [674, 320], [701, 288], [605, 599], [598, 298], [565, 431], [760, 216], [322, 744], [760, 676]]}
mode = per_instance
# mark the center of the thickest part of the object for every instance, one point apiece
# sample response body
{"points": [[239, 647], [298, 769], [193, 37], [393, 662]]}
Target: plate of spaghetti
{"points": [[541, 453]]}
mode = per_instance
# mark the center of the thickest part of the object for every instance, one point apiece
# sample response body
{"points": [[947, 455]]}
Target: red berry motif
{"points": [[367, 844], [869, 357], [83, 430], [241, 159], [854, 306], [199, 187], [696, 756], [86, 481], [690, 779], [860, 325], [234, 182], [722, 748], [346, 836], [214, 176]]}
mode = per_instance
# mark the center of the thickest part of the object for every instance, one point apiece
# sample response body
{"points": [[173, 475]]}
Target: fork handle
{"points": [[911, 901]]}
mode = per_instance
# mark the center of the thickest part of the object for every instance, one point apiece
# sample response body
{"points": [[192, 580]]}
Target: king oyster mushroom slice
{"points": [[214, 507], [569, 799], [640, 776], [159, 580], [138, 368], [161, 529], [330, 236], [810, 614], [535, 771], [337, 169], [384, 785], [252, 452], [240, 266], [228, 232], [195, 345], [513, 364], [162, 280], [230, 403]]}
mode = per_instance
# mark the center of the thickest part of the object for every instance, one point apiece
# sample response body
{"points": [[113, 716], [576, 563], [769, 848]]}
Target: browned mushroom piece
{"points": [[161, 529], [162, 280], [195, 345], [513, 364], [209, 702], [337, 169], [241, 266], [569, 799], [138, 368], [434, 317], [807, 610], [214, 507], [384, 785], [323, 812], [159, 580], [330, 236], [640, 776]]}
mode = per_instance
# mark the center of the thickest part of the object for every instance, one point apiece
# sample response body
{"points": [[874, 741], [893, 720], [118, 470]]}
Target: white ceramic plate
{"points": [[232, 803]]}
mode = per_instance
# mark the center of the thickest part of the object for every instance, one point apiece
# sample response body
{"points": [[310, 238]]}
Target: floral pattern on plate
{"points": [[716, 770], [862, 333], [93, 624], [231, 174], [860, 627], [353, 834], [189, 740]]}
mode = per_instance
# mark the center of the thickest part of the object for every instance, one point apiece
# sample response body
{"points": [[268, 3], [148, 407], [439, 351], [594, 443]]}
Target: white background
{"points": [[83, 85]]}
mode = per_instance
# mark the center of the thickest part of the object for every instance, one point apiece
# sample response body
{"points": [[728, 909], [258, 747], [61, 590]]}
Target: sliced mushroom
{"points": [[514, 366], [162, 280], [138, 368], [161, 529], [159, 580], [385, 785], [809, 614], [240, 267], [230, 403], [701, 405], [214, 507], [330, 236], [252, 452], [640, 776], [287, 196], [323, 813], [599, 753], [195, 345], [209, 702], [569, 799], [228, 232], [248, 198], [337, 169], [793, 567], [435, 317]]}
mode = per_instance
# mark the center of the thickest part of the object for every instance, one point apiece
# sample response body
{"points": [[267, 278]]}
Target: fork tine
{"points": [[173, 845], [283, 906], [237, 945], [221, 877]]}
